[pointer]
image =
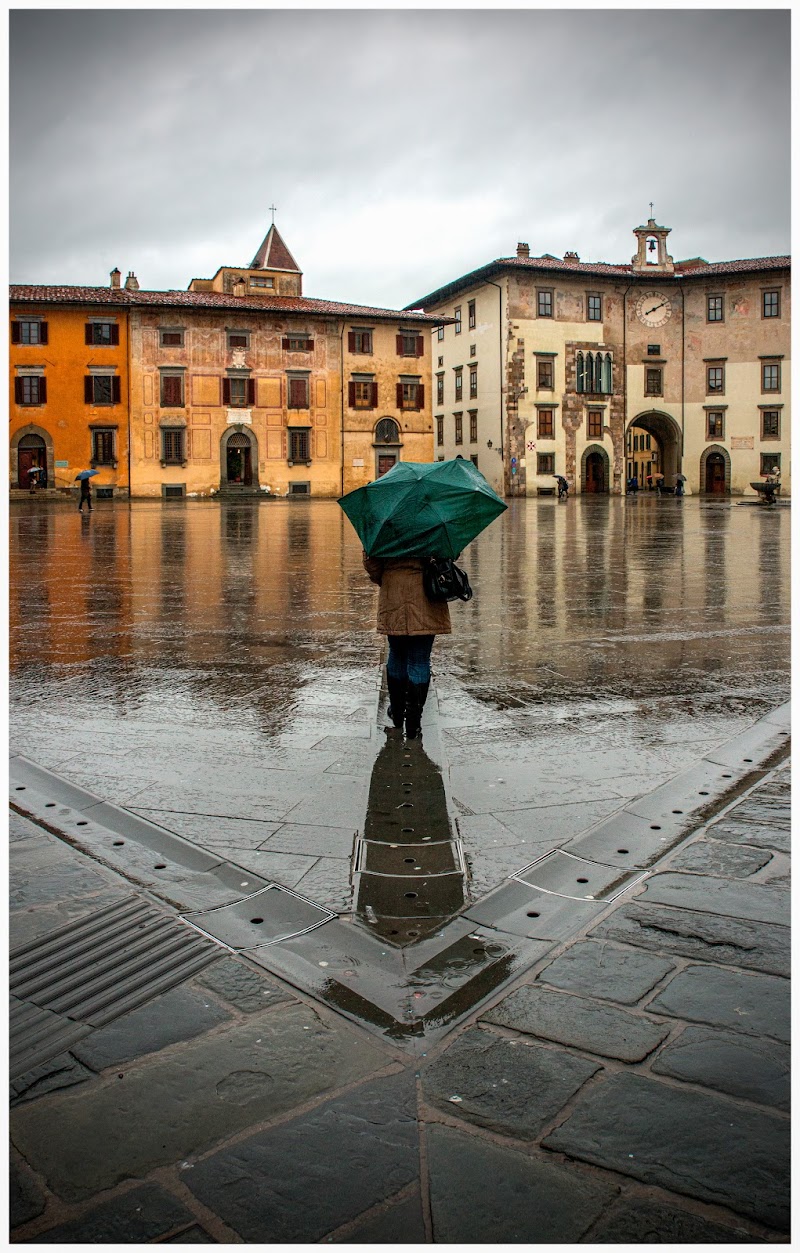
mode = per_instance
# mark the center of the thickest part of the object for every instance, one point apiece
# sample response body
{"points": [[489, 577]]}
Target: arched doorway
{"points": [[653, 446], [595, 471], [715, 471], [386, 443], [239, 460], [31, 461]]}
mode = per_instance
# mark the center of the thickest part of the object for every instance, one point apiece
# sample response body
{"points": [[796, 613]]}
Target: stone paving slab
{"points": [[631, 1220], [180, 1014], [135, 1217], [59, 1072], [214, 833], [483, 1194], [707, 894], [192, 1235], [579, 1023], [735, 830], [402, 1223], [603, 970], [302, 1180], [26, 1200], [712, 857], [243, 987], [754, 1069], [756, 1004], [705, 1146], [509, 1086], [183, 1101]]}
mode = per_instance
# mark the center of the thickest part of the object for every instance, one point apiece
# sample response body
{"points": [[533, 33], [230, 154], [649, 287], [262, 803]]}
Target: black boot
{"points": [[397, 699], [416, 694]]}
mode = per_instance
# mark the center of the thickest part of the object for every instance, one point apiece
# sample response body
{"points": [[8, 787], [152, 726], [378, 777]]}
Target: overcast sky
{"points": [[401, 148]]}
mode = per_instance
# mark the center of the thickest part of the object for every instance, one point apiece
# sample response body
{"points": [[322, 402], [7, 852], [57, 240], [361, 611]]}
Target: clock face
{"points": [[653, 308]]}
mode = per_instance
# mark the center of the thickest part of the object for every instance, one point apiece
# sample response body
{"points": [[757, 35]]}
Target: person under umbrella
{"points": [[84, 478]]}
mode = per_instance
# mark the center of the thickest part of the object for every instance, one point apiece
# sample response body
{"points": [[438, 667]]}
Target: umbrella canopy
{"points": [[35, 470], [422, 509], [86, 474]]}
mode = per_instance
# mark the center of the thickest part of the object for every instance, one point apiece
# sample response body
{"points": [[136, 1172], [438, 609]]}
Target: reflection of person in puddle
{"points": [[411, 622]]}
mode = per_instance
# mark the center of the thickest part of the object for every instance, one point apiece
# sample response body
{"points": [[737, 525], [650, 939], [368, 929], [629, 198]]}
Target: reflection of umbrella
{"points": [[681, 478], [86, 474], [420, 509], [657, 475], [35, 470]]}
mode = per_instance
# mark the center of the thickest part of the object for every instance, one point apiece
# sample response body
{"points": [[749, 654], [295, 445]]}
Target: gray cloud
{"points": [[402, 148]]}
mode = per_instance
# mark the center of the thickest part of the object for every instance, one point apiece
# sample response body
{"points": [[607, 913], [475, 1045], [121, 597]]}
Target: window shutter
{"points": [[285, 342], [89, 333], [420, 395], [420, 346], [18, 393], [351, 341], [226, 391], [399, 344], [251, 392], [15, 330], [374, 395], [115, 390], [114, 333], [88, 390], [399, 392], [42, 390], [351, 395], [42, 332]]}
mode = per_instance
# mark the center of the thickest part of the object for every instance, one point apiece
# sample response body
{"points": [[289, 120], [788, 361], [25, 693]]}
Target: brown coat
{"points": [[403, 607]]}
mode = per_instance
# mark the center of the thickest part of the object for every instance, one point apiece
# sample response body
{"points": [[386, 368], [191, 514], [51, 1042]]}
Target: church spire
{"points": [[273, 254]]}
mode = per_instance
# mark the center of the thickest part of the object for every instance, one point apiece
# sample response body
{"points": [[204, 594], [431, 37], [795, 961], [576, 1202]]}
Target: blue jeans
{"points": [[410, 657]]}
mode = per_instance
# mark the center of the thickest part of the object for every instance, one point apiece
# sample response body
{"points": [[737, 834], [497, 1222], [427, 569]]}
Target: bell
{"points": [[651, 244]]}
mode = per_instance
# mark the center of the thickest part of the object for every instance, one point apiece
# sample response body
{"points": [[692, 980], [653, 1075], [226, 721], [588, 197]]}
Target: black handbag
{"points": [[443, 580]]}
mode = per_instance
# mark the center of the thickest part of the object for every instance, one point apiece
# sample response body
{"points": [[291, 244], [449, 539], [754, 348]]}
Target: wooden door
{"points": [[385, 462], [715, 474], [595, 477]]}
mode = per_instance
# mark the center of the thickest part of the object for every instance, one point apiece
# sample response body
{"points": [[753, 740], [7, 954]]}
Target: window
{"points": [[473, 426], [359, 340], [387, 432], [363, 394], [654, 350], [474, 459], [410, 344], [440, 334], [440, 361], [473, 382], [440, 389], [440, 431], [410, 395], [771, 304], [103, 448], [258, 281], [653, 385], [770, 461], [715, 379], [101, 389], [29, 331], [594, 424], [298, 393], [299, 446], [545, 424], [594, 307], [544, 302], [459, 418], [770, 423], [770, 376], [171, 391], [715, 311], [173, 446], [544, 375], [297, 343], [30, 389], [102, 333], [459, 382], [471, 315], [457, 316], [473, 350], [715, 424], [545, 463], [238, 391], [171, 338], [238, 339], [594, 372]]}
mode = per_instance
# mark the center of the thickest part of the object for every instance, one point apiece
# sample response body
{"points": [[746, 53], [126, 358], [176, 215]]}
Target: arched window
{"points": [[580, 373], [592, 370], [607, 377], [387, 432]]}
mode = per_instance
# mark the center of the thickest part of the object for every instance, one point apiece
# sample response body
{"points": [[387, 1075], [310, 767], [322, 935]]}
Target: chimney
{"points": [[131, 282], [116, 275], [571, 256], [523, 250]]}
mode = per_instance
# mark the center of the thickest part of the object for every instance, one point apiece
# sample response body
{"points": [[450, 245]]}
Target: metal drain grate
{"points": [[91, 971]]}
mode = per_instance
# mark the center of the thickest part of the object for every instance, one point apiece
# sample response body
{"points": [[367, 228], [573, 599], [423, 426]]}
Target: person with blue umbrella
{"points": [[414, 512], [84, 478]]}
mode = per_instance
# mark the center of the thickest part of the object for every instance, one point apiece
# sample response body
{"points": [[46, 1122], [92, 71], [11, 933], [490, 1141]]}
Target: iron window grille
{"points": [[387, 432], [103, 448], [173, 447], [299, 446]]}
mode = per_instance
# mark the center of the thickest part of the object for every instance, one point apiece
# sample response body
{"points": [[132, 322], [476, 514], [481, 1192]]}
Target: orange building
{"points": [[69, 381]]}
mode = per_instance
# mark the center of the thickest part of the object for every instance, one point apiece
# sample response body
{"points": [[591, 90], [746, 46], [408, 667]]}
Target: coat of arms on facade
{"points": [[238, 358]]}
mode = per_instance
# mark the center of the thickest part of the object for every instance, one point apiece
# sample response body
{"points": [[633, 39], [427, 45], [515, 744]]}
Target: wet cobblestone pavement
{"points": [[618, 1074]]}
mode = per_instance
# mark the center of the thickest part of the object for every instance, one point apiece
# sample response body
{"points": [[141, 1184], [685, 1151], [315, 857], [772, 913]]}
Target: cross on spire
{"points": [[651, 210], [273, 211]]}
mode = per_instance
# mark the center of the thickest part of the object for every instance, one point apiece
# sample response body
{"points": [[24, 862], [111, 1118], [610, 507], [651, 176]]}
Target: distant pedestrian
{"points": [[679, 485], [411, 622], [86, 495], [633, 485], [563, 487]]}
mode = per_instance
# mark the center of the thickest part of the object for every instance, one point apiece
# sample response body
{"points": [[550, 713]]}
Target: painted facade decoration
{"points": [[239, 385], [601, 372]]}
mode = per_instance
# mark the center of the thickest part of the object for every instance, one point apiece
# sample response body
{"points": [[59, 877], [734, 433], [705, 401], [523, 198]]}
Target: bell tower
{"points": [[651, 254]]}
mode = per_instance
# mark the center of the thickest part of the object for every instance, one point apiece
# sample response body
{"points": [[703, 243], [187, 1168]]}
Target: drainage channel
{"points": [[415, 955]]}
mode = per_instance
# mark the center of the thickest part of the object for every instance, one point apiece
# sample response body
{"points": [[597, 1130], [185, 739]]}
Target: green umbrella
{"points": [[422, 509]]}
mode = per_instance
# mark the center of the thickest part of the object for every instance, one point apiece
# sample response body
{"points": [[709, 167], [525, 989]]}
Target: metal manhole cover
{"points": [[273, 913]]}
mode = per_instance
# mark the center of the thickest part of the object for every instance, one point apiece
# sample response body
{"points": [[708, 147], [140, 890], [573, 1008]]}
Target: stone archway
{"points": [[31, 445], [387, 442], [238, 463], [595, 471], [667, 434], [715, 471]]}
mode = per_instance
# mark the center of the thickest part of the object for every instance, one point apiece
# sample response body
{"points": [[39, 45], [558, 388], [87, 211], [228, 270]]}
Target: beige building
{"points": [[593, 370], [240, 385]]}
